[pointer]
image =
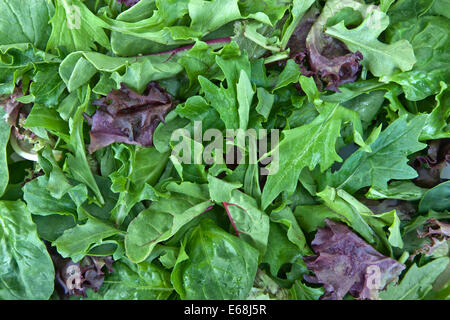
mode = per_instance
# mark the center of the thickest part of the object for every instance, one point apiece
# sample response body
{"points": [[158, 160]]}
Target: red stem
{"points": [[175, 51], [225, 205]]}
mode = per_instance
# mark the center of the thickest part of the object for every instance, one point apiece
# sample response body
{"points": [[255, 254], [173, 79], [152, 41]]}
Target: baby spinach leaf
{"points": [[26, 268], [214, 264]]}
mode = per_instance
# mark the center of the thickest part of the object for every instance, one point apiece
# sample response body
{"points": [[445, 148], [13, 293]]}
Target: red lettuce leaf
{"points": [[128, 117], [73, 278], [344, 263], [128, 3], [321, 56], [429, 167]]}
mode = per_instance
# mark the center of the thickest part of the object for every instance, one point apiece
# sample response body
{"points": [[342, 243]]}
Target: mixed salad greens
{"points": [[332, 117]]}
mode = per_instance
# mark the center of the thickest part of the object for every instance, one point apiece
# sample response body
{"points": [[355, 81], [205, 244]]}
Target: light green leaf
{"points": [[417, 282], [299, 8], [244, 97], [26, 269], [380, 58], [207, 16], [76, 242], [75, 27], [25, 21], [5, 130], [294, 232]]}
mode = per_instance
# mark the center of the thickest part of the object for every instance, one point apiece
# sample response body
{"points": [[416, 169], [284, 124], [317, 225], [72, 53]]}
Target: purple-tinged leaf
{"points": [[128, 3], [128, 117], [344, 263]]}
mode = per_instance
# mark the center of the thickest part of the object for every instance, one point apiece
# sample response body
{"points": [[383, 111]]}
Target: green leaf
{"points": [[294, 232], [306, 146], [380, 58], [207, 16], [437, 199], [139, 74], [437, 121], [16, 60], [76, 242], [349, 212], [244, 97], [431, 52], [301, 291], [75, 27], [51, 227], [401, 190], [77, 162], [214, 264], [276, 258], [41, 202], [417, 282], [223, 100], [251, 223], [143, 281], [48, 118], [47, 86], [26, 270], [265, 102], [141, 168], [382, 230], [5, 130], [25, 22], [290, 74], [299, 8], [199, 60], [388, 159], [160, 222]]}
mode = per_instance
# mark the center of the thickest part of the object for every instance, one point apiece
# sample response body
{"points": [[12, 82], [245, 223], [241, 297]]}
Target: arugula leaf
{"points": [[417, 281], [380, 58], [306, 146], [388, 159]]}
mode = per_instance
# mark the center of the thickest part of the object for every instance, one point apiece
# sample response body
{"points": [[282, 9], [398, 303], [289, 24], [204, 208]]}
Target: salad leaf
{"points": [[381, 59], [75, 27], [201, 274], [353, 174], [353, 267], [417, 281], [27, 271], [25, 22]]}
